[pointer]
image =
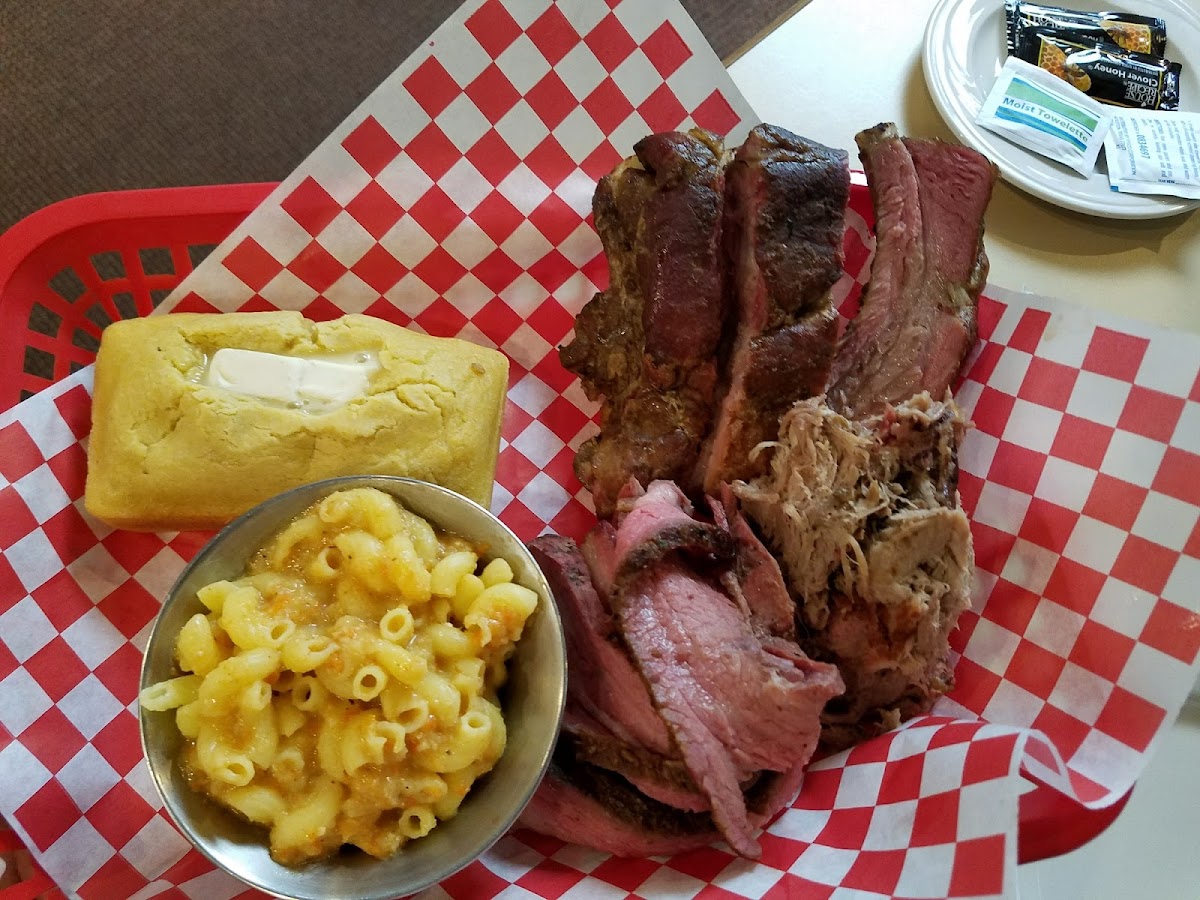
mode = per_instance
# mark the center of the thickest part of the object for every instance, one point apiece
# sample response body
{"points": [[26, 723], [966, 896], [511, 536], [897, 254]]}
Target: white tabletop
{"points": [[838, 66]]}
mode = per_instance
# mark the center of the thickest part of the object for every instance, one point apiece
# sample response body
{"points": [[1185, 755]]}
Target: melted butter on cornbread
{"points": [[310, 384], [168, 452]]}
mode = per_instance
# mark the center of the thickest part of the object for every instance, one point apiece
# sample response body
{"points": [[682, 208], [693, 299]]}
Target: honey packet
{"points": [[1036, 110], [1104, 71], [1140, 34]]}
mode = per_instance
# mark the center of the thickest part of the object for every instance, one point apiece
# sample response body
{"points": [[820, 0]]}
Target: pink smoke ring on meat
{"points": [[737, 701]]}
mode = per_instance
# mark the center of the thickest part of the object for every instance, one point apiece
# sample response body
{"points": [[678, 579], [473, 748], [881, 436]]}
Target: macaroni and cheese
{"points": [[344, 689]]}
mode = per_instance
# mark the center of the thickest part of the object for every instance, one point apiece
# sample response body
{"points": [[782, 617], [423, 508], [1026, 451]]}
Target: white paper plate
{"points": [[964, 50]]}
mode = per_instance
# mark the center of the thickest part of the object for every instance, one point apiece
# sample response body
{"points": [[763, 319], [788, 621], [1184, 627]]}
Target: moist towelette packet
{"points": [[1154, 153], [1031, 107]]}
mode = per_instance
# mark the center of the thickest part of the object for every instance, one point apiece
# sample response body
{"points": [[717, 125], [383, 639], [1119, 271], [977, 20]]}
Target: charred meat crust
{"points": [[626, 803], [918, 317], [784, 358], [609, 752], [785, 199], [696, 538], [648, 344], [797, 207]]}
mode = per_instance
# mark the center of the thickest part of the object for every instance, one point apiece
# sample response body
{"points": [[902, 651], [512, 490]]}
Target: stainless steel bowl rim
{"points": [[349, 888]]}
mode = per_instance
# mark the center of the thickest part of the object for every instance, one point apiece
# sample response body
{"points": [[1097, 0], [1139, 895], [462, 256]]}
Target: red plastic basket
{"points": [[37, 886], [72, 268]]}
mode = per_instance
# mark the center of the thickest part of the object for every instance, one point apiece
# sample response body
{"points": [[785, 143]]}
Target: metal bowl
{"points": [[532, 700]]}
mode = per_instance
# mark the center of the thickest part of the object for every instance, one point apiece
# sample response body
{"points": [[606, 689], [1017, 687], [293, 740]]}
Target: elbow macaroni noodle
{"points": [[344, 690]]}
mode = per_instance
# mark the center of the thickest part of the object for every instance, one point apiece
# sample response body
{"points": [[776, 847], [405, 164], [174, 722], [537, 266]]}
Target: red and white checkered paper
{"points": [[455, 200]]}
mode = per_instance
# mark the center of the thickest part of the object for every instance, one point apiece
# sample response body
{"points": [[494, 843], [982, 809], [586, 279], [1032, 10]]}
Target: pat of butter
{"points": [[313, 384]]}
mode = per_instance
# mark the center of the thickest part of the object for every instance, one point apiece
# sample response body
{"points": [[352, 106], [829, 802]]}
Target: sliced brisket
{"points": [[648, 344], [785, 199], [609, 713], [733, 707], [658, 520], [918, 316], [663, 778], [681, 678], [585, 804], [603, 682], [757, 578]]}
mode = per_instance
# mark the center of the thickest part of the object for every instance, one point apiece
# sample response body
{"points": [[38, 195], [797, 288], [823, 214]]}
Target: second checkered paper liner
{"points": [[455, 200]]}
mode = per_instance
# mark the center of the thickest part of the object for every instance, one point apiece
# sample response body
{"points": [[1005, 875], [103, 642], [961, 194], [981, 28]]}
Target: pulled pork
{"points": [[876, 550]]}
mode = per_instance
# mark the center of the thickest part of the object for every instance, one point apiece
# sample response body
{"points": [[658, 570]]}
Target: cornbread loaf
{"points": [[170, 450]]}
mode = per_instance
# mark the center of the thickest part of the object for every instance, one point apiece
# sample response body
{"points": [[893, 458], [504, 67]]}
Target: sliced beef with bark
{"points": [[876, 549], [678, 618], [648, 344], [585, 804], [663, 778], [733, 707], [609, 711], [785, 201], [756, 581], [603, 682], [918, 317], [658, 520]]}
